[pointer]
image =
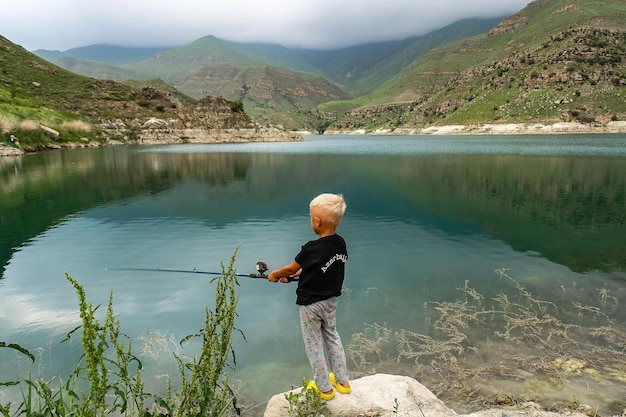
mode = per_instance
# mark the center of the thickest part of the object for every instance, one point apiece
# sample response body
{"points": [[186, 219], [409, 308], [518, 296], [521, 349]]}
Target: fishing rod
{"points": [[261, 268]]}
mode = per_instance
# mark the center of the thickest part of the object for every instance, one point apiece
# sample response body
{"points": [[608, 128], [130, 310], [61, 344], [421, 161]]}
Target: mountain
{"points": [[554, 61], [108, 54], [45, 105], [276, 84], [362, 69]]}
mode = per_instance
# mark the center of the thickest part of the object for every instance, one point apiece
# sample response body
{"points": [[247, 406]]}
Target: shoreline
{"points": [[172, 137], [612, 127], [560, 128]]}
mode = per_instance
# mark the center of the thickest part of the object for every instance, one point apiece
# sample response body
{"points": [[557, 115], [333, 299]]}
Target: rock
{"points": [[10, 151], [209, 120], [386, 395], [381, 394], [163, 135]]}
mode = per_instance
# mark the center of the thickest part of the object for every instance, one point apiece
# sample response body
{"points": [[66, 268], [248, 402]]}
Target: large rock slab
{"points": [[384, 395], [380, 395]]}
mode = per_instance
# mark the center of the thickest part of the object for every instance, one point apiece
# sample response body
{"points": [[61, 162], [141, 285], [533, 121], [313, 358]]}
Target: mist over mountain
{"points": [[269, 79], [553, 61], [108, 54]]}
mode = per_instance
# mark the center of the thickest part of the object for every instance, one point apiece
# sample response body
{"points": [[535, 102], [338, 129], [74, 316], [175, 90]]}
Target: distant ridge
{"points": [[271, 80], [555, 61], [108, 54]]}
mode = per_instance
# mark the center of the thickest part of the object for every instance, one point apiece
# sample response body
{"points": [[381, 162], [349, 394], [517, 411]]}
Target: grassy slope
{"points": [[529, 29], [29, 81], [532, 67], [34, 91]]}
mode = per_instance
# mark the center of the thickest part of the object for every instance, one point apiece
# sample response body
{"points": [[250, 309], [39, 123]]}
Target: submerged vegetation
{"points": [[478, 351], [107, 379]]}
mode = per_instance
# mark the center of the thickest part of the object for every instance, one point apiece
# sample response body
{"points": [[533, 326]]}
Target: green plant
{"points": [[5, 408], [107, 378], [104, 371], [305, 403], [41, 399], [204, 387], [236, 106], [107, 362]]}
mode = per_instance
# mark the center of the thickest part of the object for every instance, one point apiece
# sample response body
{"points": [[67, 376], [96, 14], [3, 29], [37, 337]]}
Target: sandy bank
{"points": [[500, 129]]}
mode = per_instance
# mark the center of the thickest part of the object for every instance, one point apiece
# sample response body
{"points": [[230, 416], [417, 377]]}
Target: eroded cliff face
{"points": [[162, 132], [157, 118]]}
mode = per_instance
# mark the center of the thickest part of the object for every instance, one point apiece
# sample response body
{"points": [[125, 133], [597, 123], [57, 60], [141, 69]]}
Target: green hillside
{"points": [[35, 90], [556, 60], [48, 106], [537, 27]]}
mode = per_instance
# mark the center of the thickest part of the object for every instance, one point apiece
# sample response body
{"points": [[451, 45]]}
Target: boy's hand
{"points": [[286, 274], [273, 277]]}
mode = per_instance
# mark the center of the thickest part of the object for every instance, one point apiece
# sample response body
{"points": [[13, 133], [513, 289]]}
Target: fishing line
{"points": [[261, 268]]}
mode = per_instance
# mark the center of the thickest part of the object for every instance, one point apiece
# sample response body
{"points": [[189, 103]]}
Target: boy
{"points": [[320, 266]]}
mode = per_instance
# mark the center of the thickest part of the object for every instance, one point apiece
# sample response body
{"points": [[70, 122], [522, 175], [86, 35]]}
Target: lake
{"points": [[477, 264]]}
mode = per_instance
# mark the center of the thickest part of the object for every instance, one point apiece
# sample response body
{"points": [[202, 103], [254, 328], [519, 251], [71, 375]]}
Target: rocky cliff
{"points": [[211, 119]]}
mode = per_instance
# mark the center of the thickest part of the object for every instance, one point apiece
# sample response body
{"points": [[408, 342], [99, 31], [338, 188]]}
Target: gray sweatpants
{"points": [[319, 331]]}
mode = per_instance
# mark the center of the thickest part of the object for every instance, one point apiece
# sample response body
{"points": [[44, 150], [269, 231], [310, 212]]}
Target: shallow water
{"points": [[425, 216]]}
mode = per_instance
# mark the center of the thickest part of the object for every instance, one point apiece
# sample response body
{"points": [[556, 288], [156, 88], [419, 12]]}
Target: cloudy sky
{"points": [[320, 24]]}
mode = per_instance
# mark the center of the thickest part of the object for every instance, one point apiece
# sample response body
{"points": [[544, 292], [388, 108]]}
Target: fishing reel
{"points": [[261, 268]]}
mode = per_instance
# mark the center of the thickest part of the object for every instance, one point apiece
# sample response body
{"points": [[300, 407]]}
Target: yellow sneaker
{"points": [[323, 395], [339, 387]]}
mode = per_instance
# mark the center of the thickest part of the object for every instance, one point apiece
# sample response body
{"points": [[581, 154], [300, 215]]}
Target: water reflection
{"points": [[569, 209]]}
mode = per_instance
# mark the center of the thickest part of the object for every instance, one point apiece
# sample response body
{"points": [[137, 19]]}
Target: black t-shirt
{"points": [[323, 263]]}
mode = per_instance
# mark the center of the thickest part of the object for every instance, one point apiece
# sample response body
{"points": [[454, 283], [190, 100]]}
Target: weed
{"points": [[204, 387], [77, 126], [305, 403], [107, 379], [420, 407]]}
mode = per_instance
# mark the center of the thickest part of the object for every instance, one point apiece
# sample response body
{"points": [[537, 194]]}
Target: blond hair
{"points": [[333, 204]]}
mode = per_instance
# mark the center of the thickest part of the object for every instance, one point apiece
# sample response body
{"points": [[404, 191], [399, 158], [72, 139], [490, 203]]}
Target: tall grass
{"points": [[7, 123], [107, 379], [77, 126]]}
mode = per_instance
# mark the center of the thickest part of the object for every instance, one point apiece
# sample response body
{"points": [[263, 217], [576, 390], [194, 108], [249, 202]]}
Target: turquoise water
{"points": [[425, 215]]}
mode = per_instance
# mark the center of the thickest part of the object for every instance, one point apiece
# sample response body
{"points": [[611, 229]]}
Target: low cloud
{"points": [[294, 23]]}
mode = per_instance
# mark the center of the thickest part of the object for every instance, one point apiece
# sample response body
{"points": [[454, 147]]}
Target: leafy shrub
{"points": [[236, 106], [305, 403]]}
